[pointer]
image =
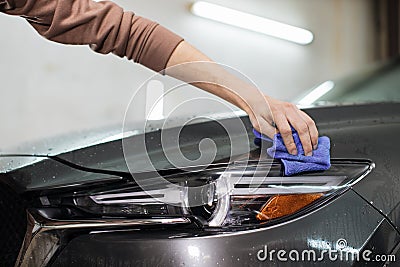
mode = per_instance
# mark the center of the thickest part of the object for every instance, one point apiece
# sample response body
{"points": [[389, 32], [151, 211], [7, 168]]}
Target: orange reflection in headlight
{"points": [[282, 205]]}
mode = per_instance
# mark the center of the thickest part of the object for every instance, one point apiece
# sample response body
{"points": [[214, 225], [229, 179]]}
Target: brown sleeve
{"points": [[102, 25]]}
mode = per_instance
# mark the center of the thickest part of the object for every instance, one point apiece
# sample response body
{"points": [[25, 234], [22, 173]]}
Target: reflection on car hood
{"points": [[57, 145], [69, 146], [335, 122], [104, 151]]}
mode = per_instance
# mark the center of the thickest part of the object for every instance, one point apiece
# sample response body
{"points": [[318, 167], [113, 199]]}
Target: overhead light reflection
{"points": [[317, 93], [252, 22], [194, 251]]}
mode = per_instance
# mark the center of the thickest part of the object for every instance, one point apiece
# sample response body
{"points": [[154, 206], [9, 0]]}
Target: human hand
{"points": [[270, 116]]}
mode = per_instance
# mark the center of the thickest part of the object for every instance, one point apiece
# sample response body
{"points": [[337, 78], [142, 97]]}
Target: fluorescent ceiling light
{"points": [[317, 93], [252, 22]]}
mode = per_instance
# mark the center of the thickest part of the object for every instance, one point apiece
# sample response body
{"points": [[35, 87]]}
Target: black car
{"points": [[83, 201]]}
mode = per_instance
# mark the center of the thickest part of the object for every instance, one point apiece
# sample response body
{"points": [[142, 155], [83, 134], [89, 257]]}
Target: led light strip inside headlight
{"points": [[239, 194]]}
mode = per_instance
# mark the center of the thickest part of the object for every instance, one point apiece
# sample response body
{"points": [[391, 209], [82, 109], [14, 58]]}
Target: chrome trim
{"points": [[148, 197], [62, 225], [167, 195], [43, 223], [258, 184], [38, 247], [42, 238], [283, 185], [370, 168]]}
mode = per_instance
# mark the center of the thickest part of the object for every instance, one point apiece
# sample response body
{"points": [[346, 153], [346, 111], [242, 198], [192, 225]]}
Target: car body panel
{"points": [[315, 231], [367, 131], [362, 131], [110, 155], [360, 216], [42, 173]]}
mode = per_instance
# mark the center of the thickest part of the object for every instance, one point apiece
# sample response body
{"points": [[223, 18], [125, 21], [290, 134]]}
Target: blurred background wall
{"points": [[48, 88]]}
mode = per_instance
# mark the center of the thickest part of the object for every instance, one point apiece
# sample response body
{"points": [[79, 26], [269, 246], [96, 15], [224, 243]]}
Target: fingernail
{"points": [[315, 147], [293, 152], [309, 154]]}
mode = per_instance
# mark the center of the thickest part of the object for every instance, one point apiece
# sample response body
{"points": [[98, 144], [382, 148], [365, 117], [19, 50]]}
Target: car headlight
{"points": [[241, 194]]}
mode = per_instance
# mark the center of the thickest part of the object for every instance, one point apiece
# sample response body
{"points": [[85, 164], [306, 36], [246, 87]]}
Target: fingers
{"points": [[305, 128], [283, 115], [286, 115], [312, 128], [286, 133], [302, 129]]}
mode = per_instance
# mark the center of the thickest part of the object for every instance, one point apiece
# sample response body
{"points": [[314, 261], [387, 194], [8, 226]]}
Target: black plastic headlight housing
{"points": [[240, 194]]}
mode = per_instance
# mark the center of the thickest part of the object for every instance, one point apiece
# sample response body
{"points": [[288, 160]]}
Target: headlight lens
{"points": [[243, 194], [283, 205]]}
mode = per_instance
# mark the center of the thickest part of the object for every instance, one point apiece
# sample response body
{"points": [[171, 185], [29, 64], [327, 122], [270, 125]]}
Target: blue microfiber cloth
{"points": [[319, 161]]}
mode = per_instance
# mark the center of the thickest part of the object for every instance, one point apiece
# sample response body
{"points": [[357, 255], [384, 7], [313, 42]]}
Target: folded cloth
{"points": [[319, 161]]}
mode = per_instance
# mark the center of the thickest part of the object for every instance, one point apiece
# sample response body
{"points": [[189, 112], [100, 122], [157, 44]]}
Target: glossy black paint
{"points": [[45, 173], [367, 131], [367, 216], [314, 232]]}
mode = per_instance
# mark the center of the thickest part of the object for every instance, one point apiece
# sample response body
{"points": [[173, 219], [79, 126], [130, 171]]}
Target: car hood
{"points": [[102, 149], [367, 131]]}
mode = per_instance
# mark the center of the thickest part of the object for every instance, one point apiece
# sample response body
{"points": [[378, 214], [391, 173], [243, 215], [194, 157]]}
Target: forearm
{"points": [[209, 76], [108, 29], [266, 114]]}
